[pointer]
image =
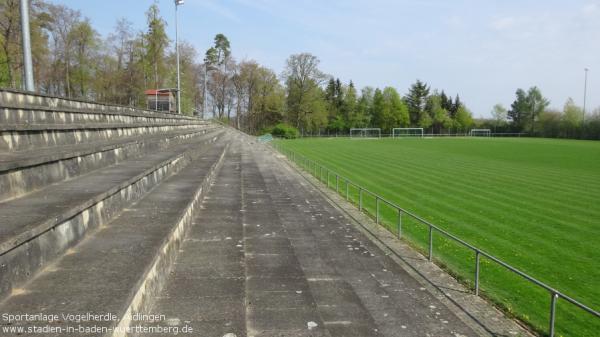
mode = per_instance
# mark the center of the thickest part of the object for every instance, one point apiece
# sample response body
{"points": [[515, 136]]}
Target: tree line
{"points": [[72, 59], [530, 113]]}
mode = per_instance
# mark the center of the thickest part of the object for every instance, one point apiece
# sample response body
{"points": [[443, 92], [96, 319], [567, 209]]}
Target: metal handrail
{"points": [[318, 168]]}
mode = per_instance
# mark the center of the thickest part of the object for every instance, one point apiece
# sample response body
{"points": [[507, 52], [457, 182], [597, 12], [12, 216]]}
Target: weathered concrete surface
{"points": [[42, 225], [122, 264], [269, 256]]}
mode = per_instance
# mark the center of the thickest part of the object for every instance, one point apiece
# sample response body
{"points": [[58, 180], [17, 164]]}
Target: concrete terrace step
{"points": [[92, 126], [26, 108], [25, 171], [122, 266], [27, 138], [41, 225], [205, 289]]}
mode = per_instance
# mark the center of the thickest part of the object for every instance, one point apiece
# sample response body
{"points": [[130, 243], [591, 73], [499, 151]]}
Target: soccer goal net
{"points": [[365, 133], [480, 133], [407, 132]]}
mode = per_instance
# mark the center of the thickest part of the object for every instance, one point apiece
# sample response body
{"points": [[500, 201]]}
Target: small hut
{"points": [[161, 100]]}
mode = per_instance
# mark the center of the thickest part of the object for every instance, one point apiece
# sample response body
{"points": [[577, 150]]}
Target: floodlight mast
{"points": [[26, 39], [177, 4], [584, 97]]}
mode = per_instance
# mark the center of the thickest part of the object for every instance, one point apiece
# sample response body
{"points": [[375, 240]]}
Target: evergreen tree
{"points": [[454, 107], [416, 100], [349, 105], [377, 109]]}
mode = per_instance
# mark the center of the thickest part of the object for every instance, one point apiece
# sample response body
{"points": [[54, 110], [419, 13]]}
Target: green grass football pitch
{"points": [[534, 203]]}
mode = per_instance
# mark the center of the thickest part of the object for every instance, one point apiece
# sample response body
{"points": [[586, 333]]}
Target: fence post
{"points": [[552, 313], [337, 183], [399, 224], [477, 257], [360, 199], [377, 209], [347, 191], [327, 172], [430, 243]]}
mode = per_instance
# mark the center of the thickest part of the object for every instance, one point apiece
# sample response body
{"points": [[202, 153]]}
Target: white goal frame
{"points": [[421, 132], [480, 133], [363, 133]]}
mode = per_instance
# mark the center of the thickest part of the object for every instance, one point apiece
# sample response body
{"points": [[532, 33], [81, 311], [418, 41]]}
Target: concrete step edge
{"points": [[14, 127], [77, 221], [158, 271], [20, 178]]}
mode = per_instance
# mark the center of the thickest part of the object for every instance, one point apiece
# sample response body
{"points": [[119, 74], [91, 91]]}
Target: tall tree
{"points": [[157, 42], [349, 105], [537, 103], [519, 110], [572, 116], [86, 43], [440, 118], [416, 100], [499, 113], [219, 58], [464, 119], [305, 100]]}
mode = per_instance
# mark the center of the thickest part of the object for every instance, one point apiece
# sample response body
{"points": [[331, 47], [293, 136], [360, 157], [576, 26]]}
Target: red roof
{"points": [[155, 92]]}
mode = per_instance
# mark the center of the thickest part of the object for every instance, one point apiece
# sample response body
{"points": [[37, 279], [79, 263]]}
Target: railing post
{"points": [[347, 191], [360, 199], [552, 313], [430, 243], [477, 258], [377, 210], [399, 224]]}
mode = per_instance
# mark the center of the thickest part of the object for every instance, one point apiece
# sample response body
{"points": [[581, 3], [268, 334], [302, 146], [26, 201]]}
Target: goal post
{"points": [[480, 133], [407, 132], [365, 133]]}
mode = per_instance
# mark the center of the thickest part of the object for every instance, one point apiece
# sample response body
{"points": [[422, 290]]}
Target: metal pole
{"points": [[477, 258], [347, 191], [584, 97], [28, 65], [360, 199], [553, 299], [204, 101], [337, 183], [177, 56], [377, 210], [399, 223], [430, 243]]}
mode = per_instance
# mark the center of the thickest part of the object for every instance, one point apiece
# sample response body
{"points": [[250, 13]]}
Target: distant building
{"points": [[161, 100]]}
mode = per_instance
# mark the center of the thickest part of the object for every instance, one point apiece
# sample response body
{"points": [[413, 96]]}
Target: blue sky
{"points": [[482, 49]]}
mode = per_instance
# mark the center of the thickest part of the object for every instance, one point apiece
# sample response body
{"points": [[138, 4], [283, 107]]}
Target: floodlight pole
{"points": [[177, 4], [204, 94], [584, 96], [28, 65]]}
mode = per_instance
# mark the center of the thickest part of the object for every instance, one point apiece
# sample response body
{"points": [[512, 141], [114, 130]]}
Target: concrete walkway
{"points": [[268, 256]]}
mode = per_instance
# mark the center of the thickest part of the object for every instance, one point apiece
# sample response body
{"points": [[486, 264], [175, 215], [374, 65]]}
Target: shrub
{"points": [[285, 131]]}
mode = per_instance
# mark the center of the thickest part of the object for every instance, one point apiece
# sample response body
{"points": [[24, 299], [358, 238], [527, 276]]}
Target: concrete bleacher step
{"points": [[26, 171], [208, 275], [125, 261], [41, 225], [29, 137], [26, 108]]}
